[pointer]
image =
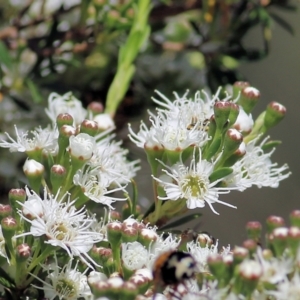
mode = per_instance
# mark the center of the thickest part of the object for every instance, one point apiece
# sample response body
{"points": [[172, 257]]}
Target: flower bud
{"points": [[15, 196], [275, 112], [221, 113], [234, 113], [142, 279], [295, 218], [58, 175], [95, 108], [247, 277], [232, 141], [239, 254], [101, 255], [114, 233], [251, 245], [5, 211], [64, 119], [248, 98], [147, 236], [9, 227], [216, 266], [274, 222], [104, 122], [129, 291], [89, 127], [81, 146], [294, 239], [23, 252], [254, 229], [278, 240], [129, 234], [237, 87], [34, 172]]}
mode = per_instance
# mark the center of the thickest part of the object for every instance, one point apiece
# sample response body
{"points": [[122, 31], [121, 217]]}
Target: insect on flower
{"points": [[172, 268]]}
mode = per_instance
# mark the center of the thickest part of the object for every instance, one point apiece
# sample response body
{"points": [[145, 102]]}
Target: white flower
{"points": [[192, 183], [96, 186], [61, 224], [82, 146], [42, 139], [65, 283], [287, 289], [201, 254], [66, 103], [134, 255], [274, 269], [178, 124], [110, 158], [256, 168]]}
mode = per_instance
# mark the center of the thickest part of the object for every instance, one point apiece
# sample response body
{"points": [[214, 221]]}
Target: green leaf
{"points": [[34, 91], [283, 23], [220, 173], [181, 221], [5, 280], [270, 145], [5, 57]]}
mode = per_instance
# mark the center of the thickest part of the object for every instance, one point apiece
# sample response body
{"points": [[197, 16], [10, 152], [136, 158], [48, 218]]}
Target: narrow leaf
{"points": [[181, 221], [5, 57], [220, 173], [283, 23]]}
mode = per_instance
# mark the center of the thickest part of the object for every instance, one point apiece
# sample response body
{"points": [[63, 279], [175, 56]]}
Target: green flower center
{"points": [[66, 288], [195, 186]]}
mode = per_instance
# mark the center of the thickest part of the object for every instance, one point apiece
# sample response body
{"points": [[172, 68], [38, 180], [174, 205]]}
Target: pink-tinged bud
{"points": [[9, 227], [254, 229], [115, 215], [95, 107], [5, 211], [221, 113], [58, 174], [239, 254], [129, 291], [216, 265], [295, 218], [248, 98], [247, 277], [232, 142], [147, 236], [114, 233], [15, 196], [294, 239], [274, 222], [99, 288], [66, 131], [64, 119], [279, 240], [94, 277], [129, 234], [251, 245], [130, 222], [23, 252], [90, 127], [238, 87], [101, 255], [115, 285], [104, 122], [275, 112], [250, 270]]}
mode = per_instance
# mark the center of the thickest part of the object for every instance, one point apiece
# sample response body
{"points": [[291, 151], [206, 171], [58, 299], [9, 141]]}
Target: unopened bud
{"points": [[90, 127], [275, 112], [64, 119]]}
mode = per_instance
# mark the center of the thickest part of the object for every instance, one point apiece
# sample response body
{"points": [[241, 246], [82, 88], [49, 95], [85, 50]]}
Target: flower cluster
{"points": [[62, 237]]}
